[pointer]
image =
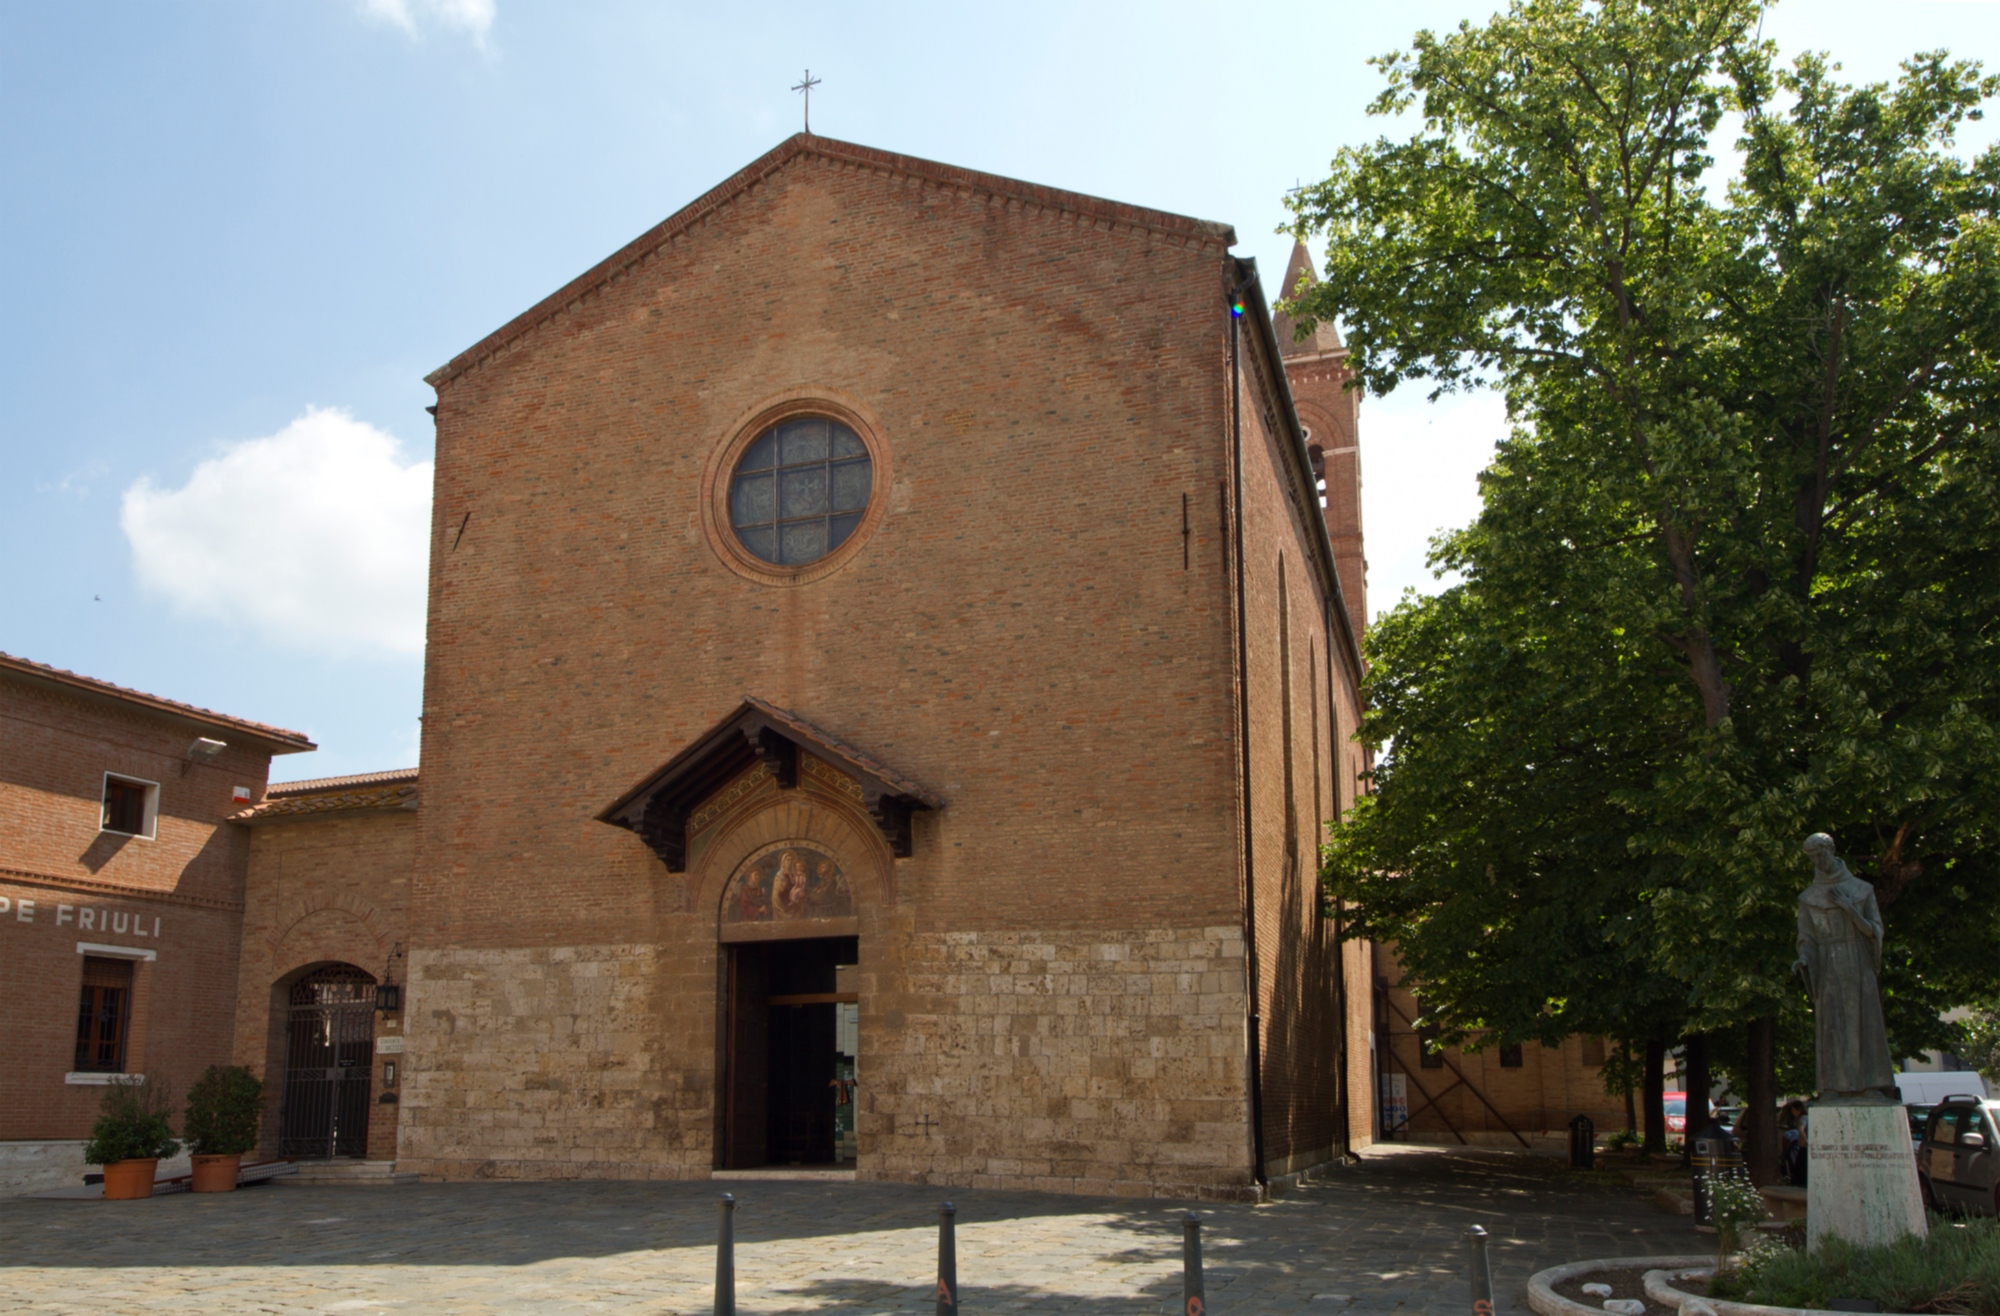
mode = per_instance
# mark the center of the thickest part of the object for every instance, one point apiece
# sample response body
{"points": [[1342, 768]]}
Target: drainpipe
{"points": [[1250, 967]]}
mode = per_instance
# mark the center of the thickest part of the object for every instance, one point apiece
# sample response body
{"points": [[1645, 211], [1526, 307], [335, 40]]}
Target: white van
{"points": [[1930, 1089]]}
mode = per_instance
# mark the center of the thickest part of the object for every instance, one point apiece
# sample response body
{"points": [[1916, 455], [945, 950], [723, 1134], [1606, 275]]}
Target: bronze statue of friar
{"points": [[1840, 953]]}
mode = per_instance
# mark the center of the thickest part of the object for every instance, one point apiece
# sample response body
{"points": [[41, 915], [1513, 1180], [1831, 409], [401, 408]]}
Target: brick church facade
{"points": [[889, 664]]}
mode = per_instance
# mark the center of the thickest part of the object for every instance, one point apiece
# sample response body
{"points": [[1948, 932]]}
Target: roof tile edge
{"points": [[281, 740], [316, 785]]}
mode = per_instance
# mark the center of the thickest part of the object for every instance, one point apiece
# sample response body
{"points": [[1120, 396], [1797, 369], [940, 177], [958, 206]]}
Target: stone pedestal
{"points": [[1861, 1180]]}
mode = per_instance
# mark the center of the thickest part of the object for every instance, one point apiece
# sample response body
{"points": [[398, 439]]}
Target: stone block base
{"points": [[1862, 1184], [35, 1166]]}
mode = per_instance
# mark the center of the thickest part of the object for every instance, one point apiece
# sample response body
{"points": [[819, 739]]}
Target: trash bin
{"points": [[1582, 1143], [1714, 1152]]}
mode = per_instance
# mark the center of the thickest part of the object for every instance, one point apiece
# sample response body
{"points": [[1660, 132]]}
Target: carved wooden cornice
{"points": [[756, 741]]}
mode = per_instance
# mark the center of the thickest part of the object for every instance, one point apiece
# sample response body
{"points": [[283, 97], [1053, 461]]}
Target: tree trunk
{"points": [[1625, 1068], [1656, 1108], [1695, 1048], [1694, 1087], [1759, 1128]]}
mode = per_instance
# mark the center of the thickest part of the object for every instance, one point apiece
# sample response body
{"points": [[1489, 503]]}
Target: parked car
{"points": [[1920, 1119], [1958, 1165], [1677, 1111]]}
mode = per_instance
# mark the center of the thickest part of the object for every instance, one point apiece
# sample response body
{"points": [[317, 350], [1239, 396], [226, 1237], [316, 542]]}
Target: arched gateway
{"points": [[329, 1053]]}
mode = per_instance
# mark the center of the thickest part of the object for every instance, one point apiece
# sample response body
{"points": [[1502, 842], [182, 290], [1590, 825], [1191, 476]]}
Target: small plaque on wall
{"points": [[388, 1046]]}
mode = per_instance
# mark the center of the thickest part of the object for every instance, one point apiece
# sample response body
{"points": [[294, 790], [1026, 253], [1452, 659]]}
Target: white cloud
{"points": [[473, 17], [314, 537], [1420, 465]]}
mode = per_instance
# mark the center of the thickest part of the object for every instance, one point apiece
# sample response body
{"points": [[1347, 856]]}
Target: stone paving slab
{"points": [[1382, 1237]]}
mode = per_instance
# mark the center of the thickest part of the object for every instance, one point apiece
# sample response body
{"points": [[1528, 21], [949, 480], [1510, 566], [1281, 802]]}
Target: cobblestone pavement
{"points": [[1384, 1236]]}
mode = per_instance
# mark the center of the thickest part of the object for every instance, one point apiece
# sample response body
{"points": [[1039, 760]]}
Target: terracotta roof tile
{"points": [[390, 798], [280, 740], [282, 789]]}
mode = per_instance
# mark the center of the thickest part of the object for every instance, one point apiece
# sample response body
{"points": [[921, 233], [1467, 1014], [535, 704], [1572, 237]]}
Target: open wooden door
{"points": [[746, 1059]]}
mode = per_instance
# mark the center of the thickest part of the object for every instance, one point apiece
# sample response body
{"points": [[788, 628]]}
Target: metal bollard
{"points": [[1482, 1275], [1582, 1143], [725, 1257], [947, 1297], [1193, 1301]]}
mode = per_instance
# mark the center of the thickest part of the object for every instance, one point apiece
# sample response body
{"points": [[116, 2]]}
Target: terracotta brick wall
{"points": [[1303, 705], [1330, 414], [323, 890], [1021, 633], [64, 882]]}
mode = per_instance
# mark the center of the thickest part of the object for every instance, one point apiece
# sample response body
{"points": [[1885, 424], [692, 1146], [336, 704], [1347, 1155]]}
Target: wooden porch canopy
{"points": [[658, 807]]}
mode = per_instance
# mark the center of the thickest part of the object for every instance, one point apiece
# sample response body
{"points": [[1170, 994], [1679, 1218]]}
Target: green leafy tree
{"points": [[1487, 851], [1756, 465]]}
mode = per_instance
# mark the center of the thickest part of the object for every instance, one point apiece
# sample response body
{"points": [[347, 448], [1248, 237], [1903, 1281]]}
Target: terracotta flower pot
{"points": [[216, 1174], [126, 1181]]}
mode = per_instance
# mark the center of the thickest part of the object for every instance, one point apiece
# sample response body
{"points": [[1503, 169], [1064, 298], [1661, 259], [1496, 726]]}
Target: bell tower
{"points": [[1316, 369]]}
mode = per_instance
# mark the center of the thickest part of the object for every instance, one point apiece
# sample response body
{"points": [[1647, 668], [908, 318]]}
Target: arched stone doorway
{"points": [[329, 1062], [790, 946]]}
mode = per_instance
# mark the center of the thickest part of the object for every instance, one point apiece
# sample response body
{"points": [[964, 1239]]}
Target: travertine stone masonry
{"points": [[1100, 1062], [547, 1063]]}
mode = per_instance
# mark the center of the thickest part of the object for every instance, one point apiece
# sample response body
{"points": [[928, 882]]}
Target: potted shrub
{"points": [[224, 1109], [130, 1137]]}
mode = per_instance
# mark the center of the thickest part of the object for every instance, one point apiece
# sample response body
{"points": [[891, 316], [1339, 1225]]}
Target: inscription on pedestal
{"points": [[1862, 1180]]}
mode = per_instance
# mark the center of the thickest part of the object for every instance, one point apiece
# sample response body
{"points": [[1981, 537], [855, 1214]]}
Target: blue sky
{"points": [[235, 236]]}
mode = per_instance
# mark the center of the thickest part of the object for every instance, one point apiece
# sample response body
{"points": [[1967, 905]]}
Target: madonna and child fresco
{"points": [[791, 882]]}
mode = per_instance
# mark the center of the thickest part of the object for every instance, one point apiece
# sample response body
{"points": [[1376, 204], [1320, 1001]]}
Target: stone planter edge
{"points": [[1659, 1287], [1542, 1295]]}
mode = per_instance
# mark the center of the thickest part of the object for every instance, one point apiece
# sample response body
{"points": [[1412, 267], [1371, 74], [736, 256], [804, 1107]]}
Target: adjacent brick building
{"points": [[325, 907], [121, 899], [1504, 1095]]}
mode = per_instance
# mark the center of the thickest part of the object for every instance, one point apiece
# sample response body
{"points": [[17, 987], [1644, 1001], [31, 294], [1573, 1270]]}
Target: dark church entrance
{"points": [[789, 1060]]}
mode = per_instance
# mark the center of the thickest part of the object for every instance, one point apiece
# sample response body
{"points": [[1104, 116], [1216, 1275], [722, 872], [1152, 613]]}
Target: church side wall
{"points": [[1330, 415], [1303, 771], [1038, 631]]}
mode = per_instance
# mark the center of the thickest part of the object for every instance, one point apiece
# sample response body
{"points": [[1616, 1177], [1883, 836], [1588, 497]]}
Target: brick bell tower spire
{"points": [[1316, 369]]}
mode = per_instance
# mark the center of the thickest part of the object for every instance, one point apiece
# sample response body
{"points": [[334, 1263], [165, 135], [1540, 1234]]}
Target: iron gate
{"points": [[329, 1059]]}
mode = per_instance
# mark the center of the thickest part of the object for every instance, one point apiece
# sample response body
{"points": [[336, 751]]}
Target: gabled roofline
{"points": [[40, 675], [1112, 214]]}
